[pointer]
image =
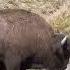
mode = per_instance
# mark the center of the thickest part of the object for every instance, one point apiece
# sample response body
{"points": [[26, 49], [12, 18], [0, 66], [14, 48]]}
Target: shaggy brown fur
{"points": [[26, 37]]}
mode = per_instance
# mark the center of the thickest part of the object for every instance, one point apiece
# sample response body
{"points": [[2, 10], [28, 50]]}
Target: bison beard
{"points": [[26, 38]]}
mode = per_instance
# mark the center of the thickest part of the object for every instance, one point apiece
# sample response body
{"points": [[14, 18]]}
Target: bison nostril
{"points": [[2, 65]]}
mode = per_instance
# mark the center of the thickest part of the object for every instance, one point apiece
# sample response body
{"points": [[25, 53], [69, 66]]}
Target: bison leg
{"points": [[12, 62], [2, 65]]}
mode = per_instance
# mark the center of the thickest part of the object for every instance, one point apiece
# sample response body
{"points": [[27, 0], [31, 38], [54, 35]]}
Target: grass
{"points": [[62, 24]]}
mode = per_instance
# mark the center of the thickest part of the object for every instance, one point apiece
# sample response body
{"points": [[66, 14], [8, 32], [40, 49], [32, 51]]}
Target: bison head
{"points": [[65, 45], [63, 40]]}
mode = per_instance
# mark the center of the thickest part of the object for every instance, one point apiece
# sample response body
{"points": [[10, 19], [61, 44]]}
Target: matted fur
{"points": [[24, 36]]}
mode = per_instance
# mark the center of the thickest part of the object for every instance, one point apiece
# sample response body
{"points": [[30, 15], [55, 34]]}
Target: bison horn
{"points": [[64, 40]]}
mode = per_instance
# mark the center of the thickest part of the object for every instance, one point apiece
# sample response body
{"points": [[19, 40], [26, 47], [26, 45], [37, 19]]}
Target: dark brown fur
{"points": [[24, 36]]}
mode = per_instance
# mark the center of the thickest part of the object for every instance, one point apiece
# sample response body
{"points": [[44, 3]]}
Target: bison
{"points": [[65, 43], [26, 38]]}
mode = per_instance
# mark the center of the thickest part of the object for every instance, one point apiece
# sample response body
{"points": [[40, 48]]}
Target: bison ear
{"points": [[64, 40]]}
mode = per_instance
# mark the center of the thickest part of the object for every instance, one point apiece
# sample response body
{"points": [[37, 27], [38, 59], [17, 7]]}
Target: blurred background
{"points": [[55, 12]]}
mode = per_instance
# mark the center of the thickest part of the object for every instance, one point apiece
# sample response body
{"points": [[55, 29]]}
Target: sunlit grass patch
{"points": [[62, 24]]}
